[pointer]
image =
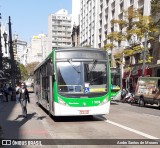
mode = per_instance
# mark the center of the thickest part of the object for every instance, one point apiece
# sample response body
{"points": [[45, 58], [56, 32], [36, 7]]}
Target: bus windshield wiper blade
{"points": [[93, 67], [70, 61]]}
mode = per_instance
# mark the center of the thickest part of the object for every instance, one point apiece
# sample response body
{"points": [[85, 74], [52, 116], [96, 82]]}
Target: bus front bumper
{"points": [[61, 110]]}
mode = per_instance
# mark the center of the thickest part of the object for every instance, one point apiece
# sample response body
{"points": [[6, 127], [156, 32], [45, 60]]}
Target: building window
{"points": [[121, 7], [131, 2]]}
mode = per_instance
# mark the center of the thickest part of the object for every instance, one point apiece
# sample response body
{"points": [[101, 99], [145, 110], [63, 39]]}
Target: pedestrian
{"points": [[17, 93], [6, 92], [24, 97], [1, 93], [10, 92]]}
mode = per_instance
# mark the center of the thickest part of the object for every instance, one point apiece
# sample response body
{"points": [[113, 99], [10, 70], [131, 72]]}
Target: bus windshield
{"points": [[82, 77], [69, 77]]}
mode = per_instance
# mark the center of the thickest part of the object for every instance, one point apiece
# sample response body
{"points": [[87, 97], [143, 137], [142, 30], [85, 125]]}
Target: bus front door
{"points": [[51, 110]]}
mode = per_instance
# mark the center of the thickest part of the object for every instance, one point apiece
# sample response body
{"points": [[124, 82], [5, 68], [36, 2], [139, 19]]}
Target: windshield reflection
{"points": [[69, 77], [77, 77]]}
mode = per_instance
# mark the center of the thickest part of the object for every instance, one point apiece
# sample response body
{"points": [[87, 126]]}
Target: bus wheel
{"points": [[141, 102]]}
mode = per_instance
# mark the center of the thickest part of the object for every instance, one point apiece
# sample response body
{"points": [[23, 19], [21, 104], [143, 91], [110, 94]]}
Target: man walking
{"points": [[6, 92], [24, 97]]}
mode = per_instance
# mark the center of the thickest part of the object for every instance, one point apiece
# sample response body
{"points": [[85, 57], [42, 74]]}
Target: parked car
{"points": [[148, 91]]}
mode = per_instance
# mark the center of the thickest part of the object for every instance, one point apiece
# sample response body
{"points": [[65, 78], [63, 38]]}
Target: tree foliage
{"points": [[30, 68], [23, 72], [6, 68], [134, 24], [155, 11]]}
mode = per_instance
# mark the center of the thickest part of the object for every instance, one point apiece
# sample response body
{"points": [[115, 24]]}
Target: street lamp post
{"points": [[10, 43], [12, 60]]}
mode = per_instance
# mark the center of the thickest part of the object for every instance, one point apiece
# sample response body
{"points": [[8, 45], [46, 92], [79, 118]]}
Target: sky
{"points": [[30, 17]]}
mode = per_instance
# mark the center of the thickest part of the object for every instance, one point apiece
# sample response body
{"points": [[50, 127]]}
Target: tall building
{"points": [[59, 29], [20, 49], [75, 12], [38, 50], [89, 24], [114, 9], [75, 23], [96, 16]]}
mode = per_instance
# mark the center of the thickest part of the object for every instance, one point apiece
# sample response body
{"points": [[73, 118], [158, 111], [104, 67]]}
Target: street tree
{"points": [[23, 72], [30, 68], [134, 25], [6, 68]]}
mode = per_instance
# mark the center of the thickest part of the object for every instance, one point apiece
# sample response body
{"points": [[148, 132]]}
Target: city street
{"points": [[124, 121]]}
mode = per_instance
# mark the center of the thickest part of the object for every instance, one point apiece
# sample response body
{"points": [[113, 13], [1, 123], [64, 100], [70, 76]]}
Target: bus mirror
{"points": [[50, 69], [54, 77]]}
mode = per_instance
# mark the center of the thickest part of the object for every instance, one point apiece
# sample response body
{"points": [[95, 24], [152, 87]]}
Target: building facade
{"points": [[75, 12], [20, 50], [95, 25], [59, 29], [75, 36], [114, 9], [75, 23], [96, 16], [38, 49], [89, 14]]}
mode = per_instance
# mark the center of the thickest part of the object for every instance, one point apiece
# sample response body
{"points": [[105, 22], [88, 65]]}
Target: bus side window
{"points": [[50, 69]]}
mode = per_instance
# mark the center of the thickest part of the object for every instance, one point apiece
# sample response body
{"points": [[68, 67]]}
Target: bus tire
{"points": [[141, 102]]}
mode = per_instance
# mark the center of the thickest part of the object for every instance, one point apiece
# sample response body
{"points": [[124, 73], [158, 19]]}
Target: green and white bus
{"points": [[115, 82], [74, 81]]}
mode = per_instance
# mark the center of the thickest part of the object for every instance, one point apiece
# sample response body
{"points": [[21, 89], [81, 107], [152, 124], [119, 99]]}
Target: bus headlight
{"points": [[62, 102], [104, 101]]}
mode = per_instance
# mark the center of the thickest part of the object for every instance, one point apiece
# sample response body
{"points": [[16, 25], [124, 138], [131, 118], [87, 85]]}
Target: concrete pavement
{"points": [[15, 126]]}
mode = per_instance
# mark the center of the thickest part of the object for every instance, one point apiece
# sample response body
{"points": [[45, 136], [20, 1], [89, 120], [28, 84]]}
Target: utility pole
{"points": [[1, 54], [12, 59], [144, 54]]}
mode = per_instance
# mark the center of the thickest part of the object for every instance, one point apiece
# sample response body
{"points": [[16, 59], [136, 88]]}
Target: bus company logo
{"points": [[84, 111]]}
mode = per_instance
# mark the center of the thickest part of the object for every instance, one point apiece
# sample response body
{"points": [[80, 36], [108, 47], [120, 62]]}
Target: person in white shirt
{"points": [[17, 93]]}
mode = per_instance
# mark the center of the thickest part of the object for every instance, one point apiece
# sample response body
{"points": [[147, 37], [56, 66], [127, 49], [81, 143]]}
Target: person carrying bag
{"points": [[24, 98]]}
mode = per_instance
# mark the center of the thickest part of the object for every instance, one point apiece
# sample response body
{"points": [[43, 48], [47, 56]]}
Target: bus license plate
{"points": [[84, 111]]}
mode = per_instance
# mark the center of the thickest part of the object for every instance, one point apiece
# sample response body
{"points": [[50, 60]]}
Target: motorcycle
{"points": [[123, 94], [129, 97]]}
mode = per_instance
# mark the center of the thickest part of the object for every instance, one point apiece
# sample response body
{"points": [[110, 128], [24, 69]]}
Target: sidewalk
{"points": [[14, 126]]}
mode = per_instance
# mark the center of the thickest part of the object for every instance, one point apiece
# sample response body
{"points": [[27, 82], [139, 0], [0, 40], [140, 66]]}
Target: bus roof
{"points": [[77, 48], [68, 49]]}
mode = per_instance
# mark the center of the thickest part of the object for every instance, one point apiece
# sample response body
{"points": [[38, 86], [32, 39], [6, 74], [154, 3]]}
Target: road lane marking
{"points": [[131, 130], [151, 115]]}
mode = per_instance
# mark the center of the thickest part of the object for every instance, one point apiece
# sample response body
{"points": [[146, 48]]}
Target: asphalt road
{"points": [[125, 124], [124, 121]]}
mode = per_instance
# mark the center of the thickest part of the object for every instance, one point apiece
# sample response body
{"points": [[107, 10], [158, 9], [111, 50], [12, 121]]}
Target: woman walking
{"points": [[24, 97]]}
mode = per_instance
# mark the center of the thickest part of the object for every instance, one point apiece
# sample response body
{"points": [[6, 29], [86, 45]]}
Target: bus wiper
{"points": [[93, 67], [70, 61]]}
